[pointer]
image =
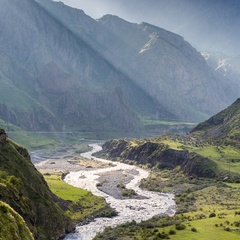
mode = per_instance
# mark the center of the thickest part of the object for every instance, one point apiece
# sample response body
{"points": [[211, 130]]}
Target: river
{"points": [[152, 204]]}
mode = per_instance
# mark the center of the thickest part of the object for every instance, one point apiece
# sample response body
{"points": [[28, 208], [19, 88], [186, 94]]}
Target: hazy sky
{"points": [[209, 25]]}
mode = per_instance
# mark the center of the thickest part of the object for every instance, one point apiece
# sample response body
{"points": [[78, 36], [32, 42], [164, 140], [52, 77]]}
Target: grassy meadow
{"points": [[82, 203]]}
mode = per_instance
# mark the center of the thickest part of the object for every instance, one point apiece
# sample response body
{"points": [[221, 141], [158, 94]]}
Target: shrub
{"points": [[212, 215], [162, 235], [172, 232], [128, 192], [180, 226]]}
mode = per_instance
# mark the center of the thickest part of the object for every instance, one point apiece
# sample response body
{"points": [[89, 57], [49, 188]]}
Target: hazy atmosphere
{"points": [[119, 119], [192, 19]]}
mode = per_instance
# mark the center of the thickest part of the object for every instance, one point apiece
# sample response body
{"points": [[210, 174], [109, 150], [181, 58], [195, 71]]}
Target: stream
{"points": [[151, 204]]}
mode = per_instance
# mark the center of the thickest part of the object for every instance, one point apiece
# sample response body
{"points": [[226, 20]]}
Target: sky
{"points": [[97, 8], [208, 25]]}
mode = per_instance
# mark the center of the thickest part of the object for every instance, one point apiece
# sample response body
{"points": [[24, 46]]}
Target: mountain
{"points": [[160, 62], [26, 203], [227, 69], [209, 25], [60, 77], [209, 150], [60, 68], [222, 127]]}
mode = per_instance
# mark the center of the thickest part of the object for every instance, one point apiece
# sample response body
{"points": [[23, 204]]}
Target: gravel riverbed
{"points": [[101, 177], [148, 205]]}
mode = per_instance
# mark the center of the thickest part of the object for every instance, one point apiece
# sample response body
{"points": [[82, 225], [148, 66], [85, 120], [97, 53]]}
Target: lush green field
{"points": [[82, 204]]}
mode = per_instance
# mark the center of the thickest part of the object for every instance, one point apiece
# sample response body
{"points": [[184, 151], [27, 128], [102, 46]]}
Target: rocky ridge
{"points": [[161, 156]]}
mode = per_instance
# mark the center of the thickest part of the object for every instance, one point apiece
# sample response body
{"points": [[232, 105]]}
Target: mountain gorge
{"points": [[59, 67]]}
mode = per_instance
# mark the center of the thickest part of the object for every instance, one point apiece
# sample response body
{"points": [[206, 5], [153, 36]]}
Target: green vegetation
{"points": [[206, 209], [23, 188], [12, 225], [126, 192], [202, 169], [82, 203]]}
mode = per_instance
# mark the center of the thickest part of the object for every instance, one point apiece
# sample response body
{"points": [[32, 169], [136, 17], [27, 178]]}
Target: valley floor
{"points": [[136, 205]]}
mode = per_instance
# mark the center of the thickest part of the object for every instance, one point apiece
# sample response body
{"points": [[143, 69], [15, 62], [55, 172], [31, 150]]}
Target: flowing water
{"points": [[152, 204]]}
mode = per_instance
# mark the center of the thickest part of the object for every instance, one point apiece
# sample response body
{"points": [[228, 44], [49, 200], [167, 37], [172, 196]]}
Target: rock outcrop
{"points": [[161, 156]]}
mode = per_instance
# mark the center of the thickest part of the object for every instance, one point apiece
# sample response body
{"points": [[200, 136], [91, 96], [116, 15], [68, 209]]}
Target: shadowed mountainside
{"points": [[61, 68]]}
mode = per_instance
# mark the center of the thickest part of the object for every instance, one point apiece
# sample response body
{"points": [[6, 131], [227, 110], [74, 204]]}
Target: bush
{"points": [[212, 215], [180, 226], [193, 229], [128, 192], [237, 224], [172, 232]]}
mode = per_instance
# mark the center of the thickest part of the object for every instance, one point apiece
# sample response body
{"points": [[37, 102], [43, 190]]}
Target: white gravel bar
{"points": [[153, 203]]}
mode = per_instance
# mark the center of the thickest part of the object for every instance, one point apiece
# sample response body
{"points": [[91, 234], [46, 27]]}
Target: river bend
{"points": [[152, 204]]}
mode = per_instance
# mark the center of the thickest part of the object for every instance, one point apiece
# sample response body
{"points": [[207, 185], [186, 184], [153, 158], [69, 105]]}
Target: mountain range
{"points": [[209, 25], [59, 68]]}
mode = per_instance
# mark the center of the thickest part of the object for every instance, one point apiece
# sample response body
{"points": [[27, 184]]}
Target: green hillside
{"points": [[202, 169], [222, 128], [24, 189]]}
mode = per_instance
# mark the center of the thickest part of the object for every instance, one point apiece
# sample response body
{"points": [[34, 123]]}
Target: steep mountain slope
{"points": [[227, 68], [209, 25], [167, 67], [160, 62], [61, 68], [222, 127], [24, 189], [64, 73]]}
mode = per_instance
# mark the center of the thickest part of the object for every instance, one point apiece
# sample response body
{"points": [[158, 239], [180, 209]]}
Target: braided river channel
{"points": [[150, 204]]}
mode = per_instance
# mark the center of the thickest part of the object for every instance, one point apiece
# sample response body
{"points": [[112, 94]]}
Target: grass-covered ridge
{"points": [[196, 157], [24, 189], [222, 128]]}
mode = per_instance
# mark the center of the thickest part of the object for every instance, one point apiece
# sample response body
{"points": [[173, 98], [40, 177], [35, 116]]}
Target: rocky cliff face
{"points": [[23, 188], [160, 155]]}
